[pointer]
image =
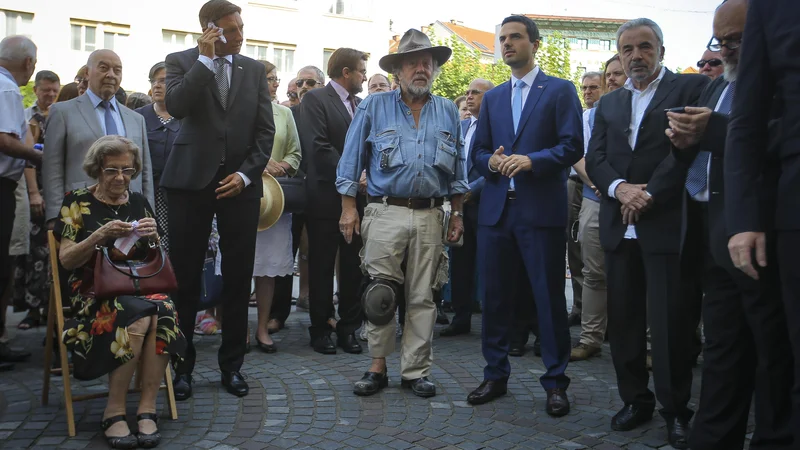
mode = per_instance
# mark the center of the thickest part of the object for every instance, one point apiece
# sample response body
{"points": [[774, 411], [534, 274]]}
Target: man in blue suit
{"points": [[529, 134]]}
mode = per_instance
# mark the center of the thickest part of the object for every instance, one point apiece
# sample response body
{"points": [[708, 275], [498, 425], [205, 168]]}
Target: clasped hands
{"points": [[635, 200], [509, 166]]}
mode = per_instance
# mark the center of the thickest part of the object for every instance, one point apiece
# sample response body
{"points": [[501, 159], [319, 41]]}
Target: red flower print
{"points": [[156, 297], [160, 346], [104, 320]]}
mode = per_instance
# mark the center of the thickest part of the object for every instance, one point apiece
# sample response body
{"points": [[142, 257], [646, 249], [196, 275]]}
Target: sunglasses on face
{"points": [[292, 94], [711, 62], [310, 82]]}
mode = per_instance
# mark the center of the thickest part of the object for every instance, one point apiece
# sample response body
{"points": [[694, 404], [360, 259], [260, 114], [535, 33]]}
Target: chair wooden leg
{"points": [[48, 348], [173, 409], [65, 375]]}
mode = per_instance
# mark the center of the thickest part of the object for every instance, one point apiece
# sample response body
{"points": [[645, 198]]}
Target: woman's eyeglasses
{"points": [[113, 172], [273, 80]]}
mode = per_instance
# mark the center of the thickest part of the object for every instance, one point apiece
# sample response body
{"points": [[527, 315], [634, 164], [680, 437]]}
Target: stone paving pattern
{"points": [[303, 400]]}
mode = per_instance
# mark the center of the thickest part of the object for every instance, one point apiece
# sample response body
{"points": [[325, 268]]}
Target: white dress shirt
{"points": [[587, 131], [209, 63], [473, 124], [640, 100], [703, 195]]}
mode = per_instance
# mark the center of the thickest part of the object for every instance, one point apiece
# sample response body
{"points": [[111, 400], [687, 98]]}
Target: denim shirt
{"points": [[401, 160]]}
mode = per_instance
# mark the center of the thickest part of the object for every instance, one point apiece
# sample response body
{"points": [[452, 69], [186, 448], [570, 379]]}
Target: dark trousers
{"points": [[747, 349], [7, 213], [788, 249], [324, 240], [502, 250], [644, 288], [190, 216], [462, 266], [525, 320], [282, 299]]}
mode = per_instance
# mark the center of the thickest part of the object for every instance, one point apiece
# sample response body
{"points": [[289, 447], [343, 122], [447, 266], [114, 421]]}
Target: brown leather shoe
{"points": [[557, 402], [488, 391], [582, 352]]}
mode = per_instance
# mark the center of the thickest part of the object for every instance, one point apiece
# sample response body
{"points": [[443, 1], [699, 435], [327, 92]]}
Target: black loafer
{"points": [[128, 441], [421, 387], [488, 391], [371, 383], [182, 385], [631, 416], [324, 345], [454, 330], [349, 344], [557, 402], [266, 348], [234, 383], [148, 440], [678, 433]]}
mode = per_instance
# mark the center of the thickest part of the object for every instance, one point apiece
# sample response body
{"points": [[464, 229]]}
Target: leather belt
{"points": [[410, 203]]}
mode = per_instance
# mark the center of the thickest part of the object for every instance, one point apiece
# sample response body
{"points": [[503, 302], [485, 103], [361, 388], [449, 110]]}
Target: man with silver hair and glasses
{"points": [[409, 141], [640, 223], [17, 63], [747, 338]]}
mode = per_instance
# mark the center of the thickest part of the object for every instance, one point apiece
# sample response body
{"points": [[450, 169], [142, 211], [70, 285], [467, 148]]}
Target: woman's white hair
{"points": [[111, 145]]}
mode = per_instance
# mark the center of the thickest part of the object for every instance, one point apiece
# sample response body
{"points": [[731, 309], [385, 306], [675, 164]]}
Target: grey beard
{"points": [[418, 92], [730, 72]]}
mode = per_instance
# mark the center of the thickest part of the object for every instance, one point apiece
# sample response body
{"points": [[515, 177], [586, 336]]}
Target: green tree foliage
{"points": [[28, 97]]}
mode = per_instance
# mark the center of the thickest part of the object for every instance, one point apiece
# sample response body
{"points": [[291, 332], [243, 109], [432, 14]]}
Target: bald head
{"points": [[729, 22], [18, 56], [475, 92], [105, 73]]}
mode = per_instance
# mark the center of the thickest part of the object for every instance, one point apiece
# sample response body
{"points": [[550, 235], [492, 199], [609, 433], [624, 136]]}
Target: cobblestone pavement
{"points": [[301, 399]]}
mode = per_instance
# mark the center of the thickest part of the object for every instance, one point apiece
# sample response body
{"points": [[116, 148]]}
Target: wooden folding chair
{"points": [[55, 323]]}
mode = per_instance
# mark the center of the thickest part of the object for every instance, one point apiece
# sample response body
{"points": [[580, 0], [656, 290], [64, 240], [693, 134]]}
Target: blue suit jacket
{"points": [[550, 133], [474, 178]]}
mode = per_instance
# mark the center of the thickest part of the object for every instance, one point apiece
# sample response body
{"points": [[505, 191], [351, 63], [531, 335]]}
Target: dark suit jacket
{"points": [[245, 129], [610, 158], [768, 85], [323, 125], [550, 133]]}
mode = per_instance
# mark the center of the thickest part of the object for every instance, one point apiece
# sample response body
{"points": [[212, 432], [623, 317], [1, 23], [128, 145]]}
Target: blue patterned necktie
{"points": [[516, 103], [111, 124], [697, 177]]}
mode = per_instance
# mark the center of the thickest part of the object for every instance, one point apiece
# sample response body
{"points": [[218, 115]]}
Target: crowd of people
{"points": [[671, 196]]}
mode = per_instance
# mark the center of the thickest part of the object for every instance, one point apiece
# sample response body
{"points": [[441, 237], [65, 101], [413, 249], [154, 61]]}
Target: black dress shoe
{"points": [[266, 348], [371, 383], [516, 349], [349, 344], [557, 402], [678, 433], [182, 385], [631, 416], [234, 383], [574, 319], [148, 440], [488, 391], [323, 344], [421, 387], [12, 356], [537, 348], [454, 330], [441, 317], [128, 441]]}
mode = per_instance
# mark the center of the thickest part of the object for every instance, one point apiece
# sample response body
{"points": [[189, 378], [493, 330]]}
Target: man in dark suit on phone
{"points": [[640, 218], [768, 87], [215, 167], [325, 117]]}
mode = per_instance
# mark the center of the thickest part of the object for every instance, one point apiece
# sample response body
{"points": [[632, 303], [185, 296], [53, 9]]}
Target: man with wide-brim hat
{"points": [[409, 141]]}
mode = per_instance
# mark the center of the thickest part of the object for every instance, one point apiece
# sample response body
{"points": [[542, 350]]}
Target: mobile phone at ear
{"points": [[221, 37]]}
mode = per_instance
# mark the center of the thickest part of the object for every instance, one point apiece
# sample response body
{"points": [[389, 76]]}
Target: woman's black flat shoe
{"points": [[148, 440], [266, 348], [128, 441]]}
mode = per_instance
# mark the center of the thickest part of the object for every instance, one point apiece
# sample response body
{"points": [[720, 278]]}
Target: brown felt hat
{"points": [[415, 41]]}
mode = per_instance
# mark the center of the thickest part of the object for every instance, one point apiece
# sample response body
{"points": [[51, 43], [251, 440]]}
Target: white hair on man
{"points": [[17, 49], [591, 75]]}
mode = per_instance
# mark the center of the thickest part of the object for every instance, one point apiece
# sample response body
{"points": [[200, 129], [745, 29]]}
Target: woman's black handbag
{"points": [[294, 193]]}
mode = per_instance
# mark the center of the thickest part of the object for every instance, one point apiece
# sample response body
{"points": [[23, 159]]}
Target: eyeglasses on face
{"points": [[473, 92], [161, 81], [80, 80], [711, 62], [126, 172], [274, 80], [310, 82], [592, 87], [716, 45]]}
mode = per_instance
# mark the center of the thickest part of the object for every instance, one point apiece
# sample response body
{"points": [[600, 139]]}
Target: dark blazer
{"points": [[323, 125], [245, 129], [550, 132], [768, 86], [160, 137], [610, 158]]}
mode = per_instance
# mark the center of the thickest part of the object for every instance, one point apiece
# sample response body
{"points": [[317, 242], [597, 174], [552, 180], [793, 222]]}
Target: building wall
{"points": [[280, 24]]}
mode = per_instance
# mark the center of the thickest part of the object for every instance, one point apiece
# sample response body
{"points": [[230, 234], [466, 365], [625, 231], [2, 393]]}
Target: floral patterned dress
{"points": [[97, 334]]}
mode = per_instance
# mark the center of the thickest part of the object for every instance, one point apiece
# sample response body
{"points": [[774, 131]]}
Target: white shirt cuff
{"points": [[613, 187], [245, 179], [208, 62]]}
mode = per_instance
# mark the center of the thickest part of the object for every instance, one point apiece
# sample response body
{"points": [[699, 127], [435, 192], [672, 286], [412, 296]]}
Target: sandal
{"points": [[148, 440], [29, 322], [128, 441]]}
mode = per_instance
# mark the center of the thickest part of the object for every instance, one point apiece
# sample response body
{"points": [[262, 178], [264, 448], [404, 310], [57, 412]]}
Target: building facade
{"points": [[289, 33]]}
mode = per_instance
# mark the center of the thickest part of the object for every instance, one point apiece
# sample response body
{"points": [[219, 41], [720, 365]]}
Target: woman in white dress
{"points": [[274, 246]]}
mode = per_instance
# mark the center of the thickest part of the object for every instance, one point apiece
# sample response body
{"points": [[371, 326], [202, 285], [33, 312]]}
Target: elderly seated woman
{"points": [[114, 335]]}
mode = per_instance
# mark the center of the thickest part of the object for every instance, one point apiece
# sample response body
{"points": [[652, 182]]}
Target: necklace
{"points": [[105, 201]]}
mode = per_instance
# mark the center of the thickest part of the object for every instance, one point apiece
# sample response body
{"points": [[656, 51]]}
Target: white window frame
{"points": [[120, 34], [179, 40], [22, 26]]}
